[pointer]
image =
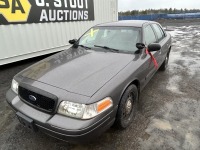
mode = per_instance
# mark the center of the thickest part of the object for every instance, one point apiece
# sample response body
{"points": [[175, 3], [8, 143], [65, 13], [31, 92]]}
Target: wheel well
{"points": [[137, 83]]}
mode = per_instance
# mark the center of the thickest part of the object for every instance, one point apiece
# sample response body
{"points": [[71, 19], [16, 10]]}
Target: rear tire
{"points": [[164, 65], [127, 107]]}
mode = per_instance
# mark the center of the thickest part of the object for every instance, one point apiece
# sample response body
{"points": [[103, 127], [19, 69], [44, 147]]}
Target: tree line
{"points": [[157, 11]]}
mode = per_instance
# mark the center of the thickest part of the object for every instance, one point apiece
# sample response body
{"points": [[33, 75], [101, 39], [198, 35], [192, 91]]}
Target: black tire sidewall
{"points": [[120, 121], [164, 65]]}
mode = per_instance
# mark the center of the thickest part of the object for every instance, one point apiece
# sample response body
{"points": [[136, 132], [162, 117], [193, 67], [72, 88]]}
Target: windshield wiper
{"points": [[84, 46], [107, 48]]}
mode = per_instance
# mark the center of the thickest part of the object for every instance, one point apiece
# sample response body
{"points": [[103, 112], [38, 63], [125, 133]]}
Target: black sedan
{"points": [[77, 94]]}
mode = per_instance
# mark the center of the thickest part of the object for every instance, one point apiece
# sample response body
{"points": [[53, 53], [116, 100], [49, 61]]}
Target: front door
{"points": [[150, 37]]}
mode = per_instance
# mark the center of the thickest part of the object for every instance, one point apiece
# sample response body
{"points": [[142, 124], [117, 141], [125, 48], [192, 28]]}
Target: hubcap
{"points": [[128, 107], [166, 61]]}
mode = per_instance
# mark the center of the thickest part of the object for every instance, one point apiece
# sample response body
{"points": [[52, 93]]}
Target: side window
{"points": [[159, 31], [162, 31], [149, 35]]}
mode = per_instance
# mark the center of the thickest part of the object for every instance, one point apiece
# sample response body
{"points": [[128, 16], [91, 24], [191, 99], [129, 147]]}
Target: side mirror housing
{"points": [[154, 47], [73, 41]]}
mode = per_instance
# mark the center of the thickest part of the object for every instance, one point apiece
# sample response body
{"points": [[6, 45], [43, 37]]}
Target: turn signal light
{"points": [[104, 105]]}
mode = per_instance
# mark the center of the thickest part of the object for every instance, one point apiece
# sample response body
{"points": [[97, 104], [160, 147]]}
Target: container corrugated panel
{"points": [[22, 41]]}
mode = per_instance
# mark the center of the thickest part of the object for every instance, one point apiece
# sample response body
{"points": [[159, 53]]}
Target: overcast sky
{"points": [[156, 4]]}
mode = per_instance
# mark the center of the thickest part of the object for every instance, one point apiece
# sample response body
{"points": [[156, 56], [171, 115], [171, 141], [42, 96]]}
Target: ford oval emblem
{"points": [[32, 98]]}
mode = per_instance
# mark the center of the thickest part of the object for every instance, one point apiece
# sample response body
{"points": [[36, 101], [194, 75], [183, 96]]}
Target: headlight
{"points": [[83, 111], [14, 86]]}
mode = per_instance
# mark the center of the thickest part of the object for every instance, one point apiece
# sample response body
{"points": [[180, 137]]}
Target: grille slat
{"points": [[42, 102]]}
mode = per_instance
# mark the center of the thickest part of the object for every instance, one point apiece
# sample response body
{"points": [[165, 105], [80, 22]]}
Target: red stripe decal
{"points": [[152, 58]]}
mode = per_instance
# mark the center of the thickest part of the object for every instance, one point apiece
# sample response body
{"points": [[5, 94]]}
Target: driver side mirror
{"points": [[73, 41], [154, 47]]}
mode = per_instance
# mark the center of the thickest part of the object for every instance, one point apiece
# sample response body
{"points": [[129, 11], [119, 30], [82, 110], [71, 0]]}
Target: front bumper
{"points": [[61, 127]]}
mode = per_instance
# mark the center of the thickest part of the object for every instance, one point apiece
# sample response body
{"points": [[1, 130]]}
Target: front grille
{"points": [[37, 100]]}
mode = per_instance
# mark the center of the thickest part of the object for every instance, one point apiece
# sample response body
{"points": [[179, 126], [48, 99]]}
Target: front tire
{"points": [[127, 107]]}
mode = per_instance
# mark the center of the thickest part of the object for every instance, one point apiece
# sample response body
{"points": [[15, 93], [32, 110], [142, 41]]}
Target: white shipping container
{"points": [[23, 41]]}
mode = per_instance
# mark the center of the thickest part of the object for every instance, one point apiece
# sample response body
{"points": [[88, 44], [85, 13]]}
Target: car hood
{"points": [[77, 70]]}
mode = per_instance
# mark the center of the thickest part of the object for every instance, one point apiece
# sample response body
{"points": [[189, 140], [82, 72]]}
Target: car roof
{"points": [[127, 23]]}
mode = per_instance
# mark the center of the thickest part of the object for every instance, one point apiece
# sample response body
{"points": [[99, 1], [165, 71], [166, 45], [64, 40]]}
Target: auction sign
{"points": [[40, 11]]}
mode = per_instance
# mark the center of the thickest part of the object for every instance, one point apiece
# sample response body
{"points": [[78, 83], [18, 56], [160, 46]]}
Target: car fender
{"points": [[136, 82]]}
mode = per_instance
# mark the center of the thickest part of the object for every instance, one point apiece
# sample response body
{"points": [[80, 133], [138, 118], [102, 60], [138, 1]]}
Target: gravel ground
{"points": [[169, 114]]}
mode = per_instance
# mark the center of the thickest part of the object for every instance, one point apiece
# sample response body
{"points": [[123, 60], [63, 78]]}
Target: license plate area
{"points": [[27, 122]]}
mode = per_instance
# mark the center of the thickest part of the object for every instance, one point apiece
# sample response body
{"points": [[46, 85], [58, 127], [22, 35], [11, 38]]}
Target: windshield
{"points": [[120, 38]]}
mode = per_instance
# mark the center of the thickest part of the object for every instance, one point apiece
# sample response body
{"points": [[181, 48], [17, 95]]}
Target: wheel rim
{"points": [[128, 108], [166, 61]]}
